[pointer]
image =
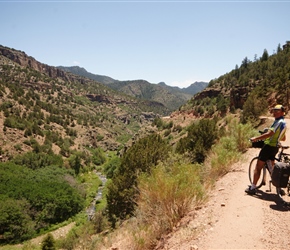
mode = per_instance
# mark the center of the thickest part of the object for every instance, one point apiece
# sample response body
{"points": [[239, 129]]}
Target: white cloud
{"points": [[182, 84]]}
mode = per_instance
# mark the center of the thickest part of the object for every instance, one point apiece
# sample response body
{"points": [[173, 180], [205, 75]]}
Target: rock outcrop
{"points": [[27, 61]]}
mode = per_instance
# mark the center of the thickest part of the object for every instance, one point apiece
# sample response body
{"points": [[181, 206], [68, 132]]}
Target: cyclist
{"points": [[272, 138]]}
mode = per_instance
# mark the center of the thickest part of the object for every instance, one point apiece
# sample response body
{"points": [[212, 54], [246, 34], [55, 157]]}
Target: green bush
{"points": [[167, 132], [48, 243], [229, 148], [200, 137], [141, 157], [111, 166], [36, 160], [15, 122], [98, 157]]}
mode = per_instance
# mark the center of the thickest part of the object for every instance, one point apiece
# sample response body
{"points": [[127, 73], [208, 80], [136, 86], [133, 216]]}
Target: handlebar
{"points": [[263, 131], [261, 142]]}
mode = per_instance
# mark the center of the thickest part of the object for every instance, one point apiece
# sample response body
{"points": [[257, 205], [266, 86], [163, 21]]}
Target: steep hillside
{"points": [[253, 86], [147, 91], [39, 100], [170, 97]]}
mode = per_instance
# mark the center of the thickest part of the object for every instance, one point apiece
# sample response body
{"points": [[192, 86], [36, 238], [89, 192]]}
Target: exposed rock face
{"points": [[149, 116], [208, 92], [27, 61], [99, 98], [238, 96]]}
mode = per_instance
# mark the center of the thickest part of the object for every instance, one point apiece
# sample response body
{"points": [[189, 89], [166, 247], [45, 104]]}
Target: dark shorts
{"points": [[268, 153]]}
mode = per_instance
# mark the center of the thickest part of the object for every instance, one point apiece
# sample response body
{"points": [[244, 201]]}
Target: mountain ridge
{"points": [[171, 97], [103, 117]]}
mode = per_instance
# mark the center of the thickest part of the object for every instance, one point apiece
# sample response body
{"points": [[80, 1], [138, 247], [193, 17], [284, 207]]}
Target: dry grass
{"points": [[173, 189]]}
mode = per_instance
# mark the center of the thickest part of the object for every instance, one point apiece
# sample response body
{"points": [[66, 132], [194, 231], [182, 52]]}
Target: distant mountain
{"points": [[170, 97], [192, 89], [82, 72], [195, 88]]}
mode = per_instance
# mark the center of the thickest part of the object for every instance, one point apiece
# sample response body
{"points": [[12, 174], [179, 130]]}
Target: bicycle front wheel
{"points": [[252, 166], [284, 194]]}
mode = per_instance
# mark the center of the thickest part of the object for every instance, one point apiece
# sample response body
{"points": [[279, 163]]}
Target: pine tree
{"points": [[265, 56], [48, 243]]}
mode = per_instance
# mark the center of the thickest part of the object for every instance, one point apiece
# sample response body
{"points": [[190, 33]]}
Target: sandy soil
{"points": [[231, 219]]}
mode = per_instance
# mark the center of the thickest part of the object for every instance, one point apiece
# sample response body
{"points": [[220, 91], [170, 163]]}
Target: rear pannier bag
{"points": [[280, 174]]}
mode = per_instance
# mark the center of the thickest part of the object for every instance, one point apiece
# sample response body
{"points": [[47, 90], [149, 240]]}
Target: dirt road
{"points": [[231, 219]]}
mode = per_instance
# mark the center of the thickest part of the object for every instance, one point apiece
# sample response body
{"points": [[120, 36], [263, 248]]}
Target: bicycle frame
{"points": [[284, 196]]}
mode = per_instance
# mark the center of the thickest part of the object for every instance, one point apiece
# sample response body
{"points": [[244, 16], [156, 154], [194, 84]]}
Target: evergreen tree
{"points": [[140, 158], [48, 243], [265, 56], [279, 48], [200, 138]]}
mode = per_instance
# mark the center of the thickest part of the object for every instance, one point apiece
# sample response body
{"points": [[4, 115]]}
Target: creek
{"points": [[92, 208]]}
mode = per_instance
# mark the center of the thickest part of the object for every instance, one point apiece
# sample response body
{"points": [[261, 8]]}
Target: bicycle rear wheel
{"points": [[252, 166], [284, 194]]}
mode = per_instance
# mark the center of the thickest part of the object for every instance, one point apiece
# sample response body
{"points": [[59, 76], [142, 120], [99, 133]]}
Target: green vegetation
{"points": [[253, 107], [32, 200], [61, 137], [200, 137], [252, 87], [166, 196], [140, 158], [173, 185], [48, 243]]}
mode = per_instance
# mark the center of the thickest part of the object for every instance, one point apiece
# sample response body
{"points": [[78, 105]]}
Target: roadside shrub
{"points": [[165, 197], [229, 148], [240, 134]]}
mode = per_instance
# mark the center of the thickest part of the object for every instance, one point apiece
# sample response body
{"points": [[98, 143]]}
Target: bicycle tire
{"points": [[284, 195], [252, 167]]}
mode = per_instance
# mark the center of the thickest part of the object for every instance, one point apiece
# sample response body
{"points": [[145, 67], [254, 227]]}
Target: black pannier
{"points": [[257, 144], [280, 174]]}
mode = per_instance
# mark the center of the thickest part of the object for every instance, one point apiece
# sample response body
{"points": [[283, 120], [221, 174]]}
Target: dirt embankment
{"points": [[231, 219]]}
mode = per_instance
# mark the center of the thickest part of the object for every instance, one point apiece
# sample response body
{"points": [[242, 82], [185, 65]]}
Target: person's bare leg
{"points": [[257, 172], [273, 162]]}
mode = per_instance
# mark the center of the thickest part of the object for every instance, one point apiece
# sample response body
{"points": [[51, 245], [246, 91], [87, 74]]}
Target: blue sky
{"points": [[176, 42]]}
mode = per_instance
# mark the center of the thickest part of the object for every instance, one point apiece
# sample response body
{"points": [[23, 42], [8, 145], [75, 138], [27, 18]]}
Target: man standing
{"points": [[272, 137]]}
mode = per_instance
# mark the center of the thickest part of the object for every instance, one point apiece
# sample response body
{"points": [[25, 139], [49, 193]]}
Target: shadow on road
{"points": [[278, 206]]}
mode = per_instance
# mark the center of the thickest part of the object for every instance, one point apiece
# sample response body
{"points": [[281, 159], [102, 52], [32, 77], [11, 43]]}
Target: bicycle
{"points": [[283, 193]]}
